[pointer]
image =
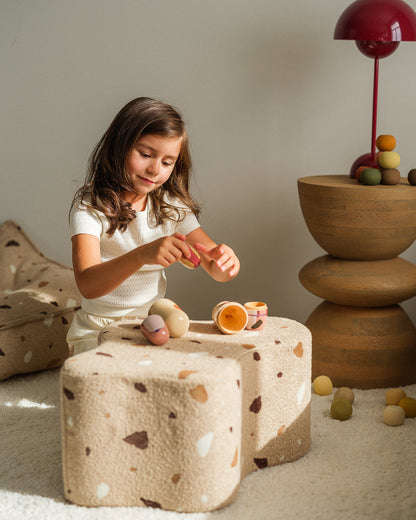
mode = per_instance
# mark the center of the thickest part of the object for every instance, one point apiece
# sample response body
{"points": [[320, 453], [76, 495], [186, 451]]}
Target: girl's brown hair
{"points": [[107, 177]]}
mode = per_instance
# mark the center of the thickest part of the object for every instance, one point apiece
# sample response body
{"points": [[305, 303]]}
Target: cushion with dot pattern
{"points": [[38, 298]]}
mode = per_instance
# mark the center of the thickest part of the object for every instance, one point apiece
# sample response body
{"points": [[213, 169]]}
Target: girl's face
{"points": [[151, 161]]}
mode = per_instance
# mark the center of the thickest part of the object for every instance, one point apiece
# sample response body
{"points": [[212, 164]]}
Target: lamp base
{"points": [[366, 159]]}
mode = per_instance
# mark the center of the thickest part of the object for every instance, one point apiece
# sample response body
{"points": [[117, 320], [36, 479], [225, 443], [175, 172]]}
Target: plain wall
{"points": [[267, 94]]}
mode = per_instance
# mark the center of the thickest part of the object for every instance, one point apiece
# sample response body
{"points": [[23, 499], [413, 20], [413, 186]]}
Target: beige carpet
{"points": [[359, 469]]}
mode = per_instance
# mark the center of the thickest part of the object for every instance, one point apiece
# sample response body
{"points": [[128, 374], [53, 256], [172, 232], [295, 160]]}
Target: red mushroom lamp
{"points": [[377, 26]]}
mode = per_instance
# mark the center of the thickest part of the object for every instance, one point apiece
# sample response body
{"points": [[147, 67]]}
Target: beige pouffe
{"points": [[178, 426]]}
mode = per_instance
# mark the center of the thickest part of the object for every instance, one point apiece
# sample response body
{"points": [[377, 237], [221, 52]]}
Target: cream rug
{"points": [[358, 469]]}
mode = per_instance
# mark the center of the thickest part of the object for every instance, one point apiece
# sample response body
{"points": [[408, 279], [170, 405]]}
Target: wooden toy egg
{"points": [[370, 176], [163, 307], [193, 261], [155, 330], [341, 409], [322, 385], [411, 177], [394, 395], [177, 322], [390, 177], [386, 143], [389, 160], [344, 393], [393, 415]]}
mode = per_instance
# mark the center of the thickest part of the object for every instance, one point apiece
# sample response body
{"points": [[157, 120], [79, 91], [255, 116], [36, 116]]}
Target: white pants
{"points": [[85, 329]]}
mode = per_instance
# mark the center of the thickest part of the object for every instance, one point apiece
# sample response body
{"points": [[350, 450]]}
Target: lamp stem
{"points": [[375, 93]]}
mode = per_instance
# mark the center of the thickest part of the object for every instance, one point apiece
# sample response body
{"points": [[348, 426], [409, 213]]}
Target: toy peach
{"points": [[230, 317], [193, 261], [257, 314], [155, 330]]}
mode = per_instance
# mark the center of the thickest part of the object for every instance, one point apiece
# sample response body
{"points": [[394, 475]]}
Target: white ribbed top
{"points": [[148, 284]]}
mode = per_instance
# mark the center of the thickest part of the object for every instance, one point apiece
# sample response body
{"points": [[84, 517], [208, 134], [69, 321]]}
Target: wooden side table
{"points": [[361, 337]]}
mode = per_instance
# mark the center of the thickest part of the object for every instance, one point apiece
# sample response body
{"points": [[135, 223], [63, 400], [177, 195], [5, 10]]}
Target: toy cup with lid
{"points": [[230, 317], [257, 314]]}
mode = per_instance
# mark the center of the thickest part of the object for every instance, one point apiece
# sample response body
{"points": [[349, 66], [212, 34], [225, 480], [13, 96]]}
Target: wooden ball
{"points": [[386, 143], [344, 393], [394, 395], [322, 385], [393, 415], [370, 177], [358, 172], [390, 177], [389, 160], [341, 409], [409, 406], [411, 177]]}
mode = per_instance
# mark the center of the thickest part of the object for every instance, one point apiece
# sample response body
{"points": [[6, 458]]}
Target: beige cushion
{"points": [[177, 427], [37, 301]]}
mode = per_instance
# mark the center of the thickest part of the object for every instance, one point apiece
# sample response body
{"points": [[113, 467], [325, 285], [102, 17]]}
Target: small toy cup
{"points": [[230, 317], [257, 314]]}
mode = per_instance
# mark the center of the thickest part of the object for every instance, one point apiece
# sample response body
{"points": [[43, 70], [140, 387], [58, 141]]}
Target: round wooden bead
{"points": [[389, 160], [341, 409], [393, 415], [385, 142], [411, 177], [390, 177], [394, 395], [344, 393], [409, 406], [370, 176], [322, 385]]}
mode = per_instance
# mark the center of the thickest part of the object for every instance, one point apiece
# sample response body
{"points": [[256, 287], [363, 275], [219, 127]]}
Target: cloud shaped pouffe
{"points": [[178, 426], [38, 298]]}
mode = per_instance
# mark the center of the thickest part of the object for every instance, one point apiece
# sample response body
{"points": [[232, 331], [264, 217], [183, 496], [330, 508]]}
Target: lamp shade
{"points": [[377, 20]]}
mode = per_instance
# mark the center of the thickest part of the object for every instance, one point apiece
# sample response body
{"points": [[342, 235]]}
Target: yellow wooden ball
{"points": [[409, 406], [322, 385], [389, 160]]}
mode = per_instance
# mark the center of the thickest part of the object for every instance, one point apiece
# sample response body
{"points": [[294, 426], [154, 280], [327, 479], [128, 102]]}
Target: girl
{"points": [[131, 218]]}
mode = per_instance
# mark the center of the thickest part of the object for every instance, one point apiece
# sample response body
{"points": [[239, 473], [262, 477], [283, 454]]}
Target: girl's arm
{"points": [[219, 261], [95, 278]]}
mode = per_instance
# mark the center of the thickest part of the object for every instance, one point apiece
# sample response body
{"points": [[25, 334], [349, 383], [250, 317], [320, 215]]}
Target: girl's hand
{"points": [[223, 257], [165, 251]]}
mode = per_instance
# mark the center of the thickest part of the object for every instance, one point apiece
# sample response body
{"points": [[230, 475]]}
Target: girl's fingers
{"points": [[201, 248], [226, 265]]}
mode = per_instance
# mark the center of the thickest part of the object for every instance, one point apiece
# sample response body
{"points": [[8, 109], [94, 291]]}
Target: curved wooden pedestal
{"points": [[363, 347], [361, 338]]}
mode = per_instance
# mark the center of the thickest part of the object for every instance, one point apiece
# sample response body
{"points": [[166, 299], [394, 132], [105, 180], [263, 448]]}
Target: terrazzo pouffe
{"points": [[38, 298], [178, 426]]}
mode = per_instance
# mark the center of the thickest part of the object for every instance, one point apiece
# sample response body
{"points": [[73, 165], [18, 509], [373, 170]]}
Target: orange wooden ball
{"points": [[386, 143], [358, 172]]}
